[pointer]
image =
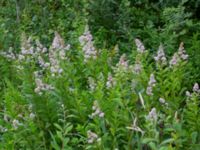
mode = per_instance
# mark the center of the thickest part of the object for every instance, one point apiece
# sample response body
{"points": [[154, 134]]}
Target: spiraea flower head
{"points": [[152, 80], [149, 90], [3, 129], [196, 88], [39, 47], [160, 58], [162, 100], [40, 86], [97, 111], [122, 65], [178, 56], [92, 137], [87, 45], [152, 116], [87, 36], [32, 115], [58, 42], [137, 68], [26, 46], [42, 63], [182, 52], [110, 81], [140, 46], [175, 60], [92, 84], [16, 124], [9, 54], [151, 84], [188, 94]]}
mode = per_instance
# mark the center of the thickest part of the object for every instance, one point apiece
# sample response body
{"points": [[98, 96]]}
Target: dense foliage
{"points": [[114, 74]]}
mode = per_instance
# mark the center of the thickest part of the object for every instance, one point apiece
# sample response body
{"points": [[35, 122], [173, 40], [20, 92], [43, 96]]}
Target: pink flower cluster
{"points": [[40, 86], [97, 111], [195, 89], [151, 84], [92, 137], [140, 46], [152, 116], [87, 45], [160, 58], [110, 81], [178, 56]]}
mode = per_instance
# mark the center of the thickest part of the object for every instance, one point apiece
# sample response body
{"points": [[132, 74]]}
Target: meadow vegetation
{"points": [[105, 75]]}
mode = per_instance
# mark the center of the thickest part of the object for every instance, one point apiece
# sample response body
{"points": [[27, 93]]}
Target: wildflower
{"points": [[62, 54], [135, 127], [3, 129], [83, 39], [149, 90], [182, 52], [92, 137], [42, 63], [175, 59], [29, 51], [39, 47], [32, 115], [26, 46], [152, 115], [54, 63], [58, 42], [140, 46], [92, 84], [188, 94], [40, 86], [152, 80], [87, 45], [162, 100], [137, 68], [15, 124], [97, 111], [151, 84], [101, 115], [21, 57], [196, 88], [110, 81], [160, 55], [58, 49], [9, 54], [123, 63]]}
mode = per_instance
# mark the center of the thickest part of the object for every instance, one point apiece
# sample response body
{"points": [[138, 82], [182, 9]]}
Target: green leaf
{"points": [[167, 141], [147, 140], [58, 126], [69, 128]]}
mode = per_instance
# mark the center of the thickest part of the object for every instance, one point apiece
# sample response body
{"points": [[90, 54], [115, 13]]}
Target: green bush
{"points": [[80, 97], [106, 91]]}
